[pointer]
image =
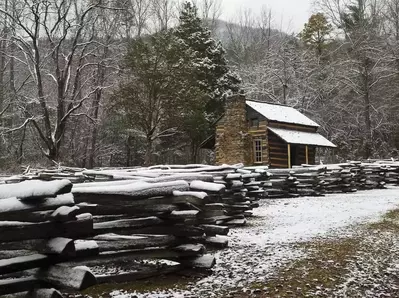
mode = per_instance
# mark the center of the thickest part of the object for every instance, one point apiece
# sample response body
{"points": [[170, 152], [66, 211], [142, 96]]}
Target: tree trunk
{"points": [[194, 152], [367, 111], [20, 151], [148, 152], [128, 151], [96, 105], [92, 151]]}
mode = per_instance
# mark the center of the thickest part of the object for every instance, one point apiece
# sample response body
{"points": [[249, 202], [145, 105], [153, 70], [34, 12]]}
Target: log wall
{"points": [[259, 132], [278, 151]]}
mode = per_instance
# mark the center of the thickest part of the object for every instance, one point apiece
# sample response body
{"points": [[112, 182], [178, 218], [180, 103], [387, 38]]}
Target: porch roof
{"points": [[301, 137]]}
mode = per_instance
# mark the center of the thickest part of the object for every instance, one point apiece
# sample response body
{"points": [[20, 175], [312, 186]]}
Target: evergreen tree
{"points": [[152, 98], [209, 76], [316, 32], [207, 59], [177, 83]]}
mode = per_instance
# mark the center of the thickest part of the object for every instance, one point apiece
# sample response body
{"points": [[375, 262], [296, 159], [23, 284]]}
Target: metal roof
{"points": [[281, 113], [301, 137]]}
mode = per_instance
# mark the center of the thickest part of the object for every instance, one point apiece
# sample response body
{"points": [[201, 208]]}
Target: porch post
{"points": [[307, 154], [289, 155]]}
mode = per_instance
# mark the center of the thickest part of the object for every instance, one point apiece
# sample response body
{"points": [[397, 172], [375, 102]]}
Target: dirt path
{"points": [[305, 247]]}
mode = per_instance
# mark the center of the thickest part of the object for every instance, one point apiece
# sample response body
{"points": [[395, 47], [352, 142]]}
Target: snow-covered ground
{"points": [[270, 240]]}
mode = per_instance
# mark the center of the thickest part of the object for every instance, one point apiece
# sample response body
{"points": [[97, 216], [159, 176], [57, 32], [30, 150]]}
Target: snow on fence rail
{"points": [[55, 236], [331, 178], [118, 225]]}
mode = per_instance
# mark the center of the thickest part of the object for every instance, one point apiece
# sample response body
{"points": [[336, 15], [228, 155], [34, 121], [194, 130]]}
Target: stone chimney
{"points": [[232, 138]]}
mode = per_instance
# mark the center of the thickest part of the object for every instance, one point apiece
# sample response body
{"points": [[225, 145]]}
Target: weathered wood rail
{"points": [[331, 178], [55, 236]]}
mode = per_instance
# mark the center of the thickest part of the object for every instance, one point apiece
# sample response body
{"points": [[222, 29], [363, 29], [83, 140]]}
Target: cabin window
{"points": [[258, 150], [254, 122]]}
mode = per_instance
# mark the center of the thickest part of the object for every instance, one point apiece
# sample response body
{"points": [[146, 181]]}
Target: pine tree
{"points": [[206, 74], [316, 32], [207, 58]]}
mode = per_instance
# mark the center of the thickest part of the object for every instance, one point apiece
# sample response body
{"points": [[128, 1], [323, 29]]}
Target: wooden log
{"points": [[206, 262], [185, 177], [86, 248], [7, 254], [109, 202], [132, 191], [119, 242], [243, 171], [212, 241], [138, 275], [134, 223], [36, 216], [112, 257], [35, 189], [207, 186], [216, 241], [36, 293], [213, 213], [23, 263], [32, 244], [87, 207], [198, 194], [14, 205], [190, 248], [214, 230], [179, 230], [105, 218], [235, 222], [65, 213], [17, 231], [59, 246], [190, 206], [135, 210], [218, 220], [184, 214], [235, 184], [62, 277], [214, 206], [10, 286], [57, 250], [64, 248], [233, 176]]}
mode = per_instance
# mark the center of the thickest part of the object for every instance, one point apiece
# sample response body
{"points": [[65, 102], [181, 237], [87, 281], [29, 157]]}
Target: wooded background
{"points": [[131, 82]]}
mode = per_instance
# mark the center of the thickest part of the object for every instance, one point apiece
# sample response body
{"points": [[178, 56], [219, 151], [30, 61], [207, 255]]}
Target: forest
{"points": [[95, 83]]}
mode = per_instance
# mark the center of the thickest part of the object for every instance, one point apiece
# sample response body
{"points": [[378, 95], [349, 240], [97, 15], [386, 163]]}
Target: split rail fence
{"points": [[67, 229]]}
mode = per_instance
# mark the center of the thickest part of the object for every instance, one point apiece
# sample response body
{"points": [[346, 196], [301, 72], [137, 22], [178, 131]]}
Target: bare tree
{"points": [[53, 41], [265, 57], [210, 11], [163, 14]]}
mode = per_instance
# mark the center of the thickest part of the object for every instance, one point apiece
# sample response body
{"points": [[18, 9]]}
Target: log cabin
{"points": [[264, 134]]}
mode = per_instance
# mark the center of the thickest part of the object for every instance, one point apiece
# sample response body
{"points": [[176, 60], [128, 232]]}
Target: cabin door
{"points": [[294, 155]]}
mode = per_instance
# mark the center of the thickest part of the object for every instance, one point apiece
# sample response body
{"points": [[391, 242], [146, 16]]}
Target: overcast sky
{"points": [[289, 15]]}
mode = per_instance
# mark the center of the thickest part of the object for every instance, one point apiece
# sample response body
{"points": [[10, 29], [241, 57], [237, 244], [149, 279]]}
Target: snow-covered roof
{"points": [[301, 137], [280, 113]]}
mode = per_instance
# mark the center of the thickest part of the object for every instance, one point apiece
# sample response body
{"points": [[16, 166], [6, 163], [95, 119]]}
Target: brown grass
{"points": [[323, 268], [159, 283]]}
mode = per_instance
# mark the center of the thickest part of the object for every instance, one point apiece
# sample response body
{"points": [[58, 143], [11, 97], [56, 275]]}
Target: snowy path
{"points": [[269, 240], [292, 220]]}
